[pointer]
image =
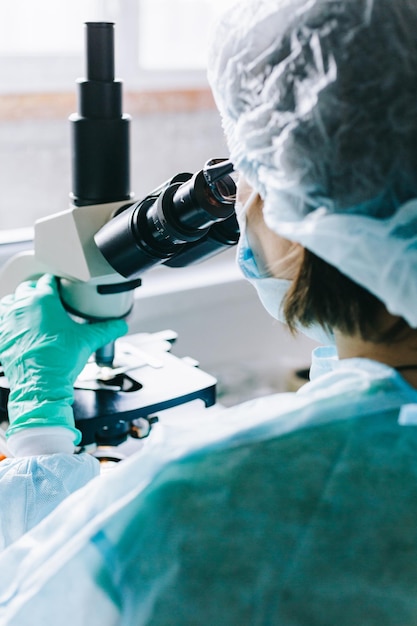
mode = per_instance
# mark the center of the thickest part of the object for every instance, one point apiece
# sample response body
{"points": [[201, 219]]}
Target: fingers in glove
{"points": [[98, 334]]}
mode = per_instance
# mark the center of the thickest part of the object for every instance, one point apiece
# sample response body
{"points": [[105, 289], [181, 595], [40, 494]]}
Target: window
{"points": [[159, 43], [179, 40]]}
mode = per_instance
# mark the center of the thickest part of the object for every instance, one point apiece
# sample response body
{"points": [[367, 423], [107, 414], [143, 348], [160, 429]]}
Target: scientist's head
{"points": [[318, 102]]}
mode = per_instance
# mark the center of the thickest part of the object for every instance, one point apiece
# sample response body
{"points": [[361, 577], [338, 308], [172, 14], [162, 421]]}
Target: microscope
{"points": [[102, 245]]}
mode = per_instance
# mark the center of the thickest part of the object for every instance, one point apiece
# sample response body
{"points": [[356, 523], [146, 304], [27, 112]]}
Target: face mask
{"points": [[272, 291]]}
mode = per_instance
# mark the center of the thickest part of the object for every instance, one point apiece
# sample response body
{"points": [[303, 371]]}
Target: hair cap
{"points": [[318, 100]]}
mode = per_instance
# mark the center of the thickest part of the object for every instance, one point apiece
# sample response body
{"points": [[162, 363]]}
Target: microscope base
{"points": [[145, 379], [157, 381]]}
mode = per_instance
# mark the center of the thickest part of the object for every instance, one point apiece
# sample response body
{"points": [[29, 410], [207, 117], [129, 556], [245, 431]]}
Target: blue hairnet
{"points": [[318, 103]]}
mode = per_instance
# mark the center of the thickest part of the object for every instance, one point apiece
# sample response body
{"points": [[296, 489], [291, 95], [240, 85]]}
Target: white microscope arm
{"points": [[64, 246], [21, 267]]}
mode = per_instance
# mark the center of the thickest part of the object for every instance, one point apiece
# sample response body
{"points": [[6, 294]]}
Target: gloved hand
{"points": [[43, 350]]}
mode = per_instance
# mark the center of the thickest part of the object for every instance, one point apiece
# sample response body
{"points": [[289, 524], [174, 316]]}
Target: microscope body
{"points": [[114, 401], [99, 248], [64, 246]]}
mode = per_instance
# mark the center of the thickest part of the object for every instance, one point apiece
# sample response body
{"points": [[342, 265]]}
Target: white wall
{"points": [[215, 312], [35, 159]]}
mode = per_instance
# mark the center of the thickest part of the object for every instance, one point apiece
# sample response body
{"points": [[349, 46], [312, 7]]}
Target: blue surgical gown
{"points": [[295, 509]]}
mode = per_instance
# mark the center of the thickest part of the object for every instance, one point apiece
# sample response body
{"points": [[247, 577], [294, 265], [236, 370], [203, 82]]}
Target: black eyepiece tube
{"points": [[221, 236], [100, 130], [100, 51], [185, 220]]}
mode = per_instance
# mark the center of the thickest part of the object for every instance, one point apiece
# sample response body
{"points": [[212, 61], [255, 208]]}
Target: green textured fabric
{"points": [[295, 510], [318, 527], [42, 351]]}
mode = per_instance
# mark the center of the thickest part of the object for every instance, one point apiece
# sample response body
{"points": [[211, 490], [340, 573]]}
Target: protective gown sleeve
{"points": [[33, 486]]}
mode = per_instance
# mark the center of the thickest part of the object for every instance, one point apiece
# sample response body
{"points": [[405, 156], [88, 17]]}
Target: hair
{"points": [[320, 293]]}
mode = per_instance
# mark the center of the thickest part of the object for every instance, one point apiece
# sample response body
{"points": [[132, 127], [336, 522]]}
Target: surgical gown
{"points": [[295, 509]]}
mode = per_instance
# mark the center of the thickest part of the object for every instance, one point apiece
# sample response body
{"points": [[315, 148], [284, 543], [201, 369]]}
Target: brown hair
{"points": [[321, 294]]}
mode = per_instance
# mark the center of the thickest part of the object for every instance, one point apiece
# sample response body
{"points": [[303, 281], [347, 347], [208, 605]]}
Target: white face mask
{"points": [[271, 290]]}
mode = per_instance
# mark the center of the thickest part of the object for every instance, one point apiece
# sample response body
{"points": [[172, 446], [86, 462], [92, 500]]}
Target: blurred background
{"points": [[160, 48], [160, 54]]}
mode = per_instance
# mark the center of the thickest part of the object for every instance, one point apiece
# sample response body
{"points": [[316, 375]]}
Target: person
{"points": [[293, 509]]}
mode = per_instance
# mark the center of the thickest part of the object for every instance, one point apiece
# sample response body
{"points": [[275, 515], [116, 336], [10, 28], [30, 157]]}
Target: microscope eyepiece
{"points": [[176, 224], [99, 129], [217, 173], [100, 51]]}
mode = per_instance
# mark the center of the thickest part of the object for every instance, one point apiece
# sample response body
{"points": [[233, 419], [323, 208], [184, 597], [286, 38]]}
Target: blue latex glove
{"points": [[43, 350]]}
